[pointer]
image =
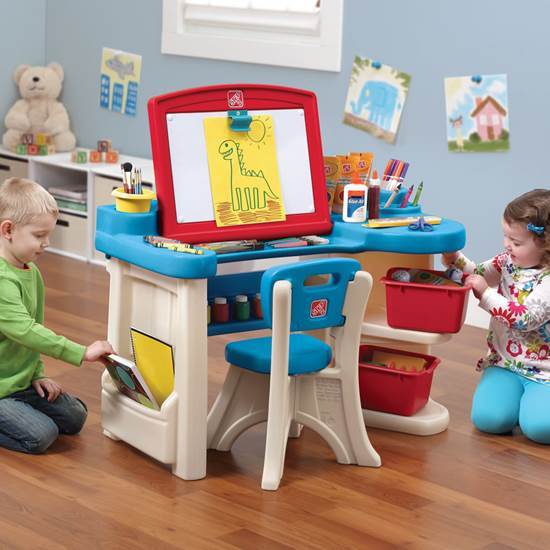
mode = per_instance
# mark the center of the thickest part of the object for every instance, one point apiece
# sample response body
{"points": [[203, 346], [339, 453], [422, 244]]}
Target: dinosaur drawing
{"points": [[249, 189]]}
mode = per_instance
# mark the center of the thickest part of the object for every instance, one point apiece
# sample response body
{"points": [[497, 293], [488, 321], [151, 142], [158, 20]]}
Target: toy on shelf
{"points": [[103, 153], [38, 109], [35, 144]]}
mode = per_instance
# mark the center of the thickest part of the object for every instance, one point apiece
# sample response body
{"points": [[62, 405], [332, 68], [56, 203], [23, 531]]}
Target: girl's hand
{"points": [[450, 257], [95, 351], [477, 283], [44, 386]]}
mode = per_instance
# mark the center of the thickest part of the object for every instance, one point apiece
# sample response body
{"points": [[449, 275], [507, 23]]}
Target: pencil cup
{"points": [[133, 204]]}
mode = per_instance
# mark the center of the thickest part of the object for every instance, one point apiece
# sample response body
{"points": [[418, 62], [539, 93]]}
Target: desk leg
{"points": [[191, 378]]}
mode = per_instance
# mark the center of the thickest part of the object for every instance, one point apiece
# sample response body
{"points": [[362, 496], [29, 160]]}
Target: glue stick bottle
{"points": [[374, 197], [355, 202]]}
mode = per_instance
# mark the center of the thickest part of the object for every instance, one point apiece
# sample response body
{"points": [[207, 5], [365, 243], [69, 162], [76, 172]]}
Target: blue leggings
{"points": [[504, 399]]}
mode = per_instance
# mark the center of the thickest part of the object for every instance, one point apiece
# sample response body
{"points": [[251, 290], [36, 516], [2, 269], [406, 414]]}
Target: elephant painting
{"points": [[380, 100]]}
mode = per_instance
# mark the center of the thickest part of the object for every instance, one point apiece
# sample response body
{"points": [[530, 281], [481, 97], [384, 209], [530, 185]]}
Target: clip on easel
{"points": [[183, 149]]}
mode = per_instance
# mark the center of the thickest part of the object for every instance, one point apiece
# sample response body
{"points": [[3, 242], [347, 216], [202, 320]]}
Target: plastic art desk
{"points": [[165, 294]]}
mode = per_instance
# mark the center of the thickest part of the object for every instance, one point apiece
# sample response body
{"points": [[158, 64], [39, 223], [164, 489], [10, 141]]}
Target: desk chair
{"points": [[291, 371]]}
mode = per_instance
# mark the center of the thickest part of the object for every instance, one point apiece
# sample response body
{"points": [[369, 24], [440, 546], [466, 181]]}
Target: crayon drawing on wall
{"points": [[244, 175], [120, 76], [477, 113], [376, 96]]}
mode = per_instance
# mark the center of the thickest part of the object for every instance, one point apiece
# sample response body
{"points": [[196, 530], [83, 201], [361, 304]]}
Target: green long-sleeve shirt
{"points": [[22, 336]]}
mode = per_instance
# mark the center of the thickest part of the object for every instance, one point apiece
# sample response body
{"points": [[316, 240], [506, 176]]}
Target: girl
{"points": [[514, 287]]}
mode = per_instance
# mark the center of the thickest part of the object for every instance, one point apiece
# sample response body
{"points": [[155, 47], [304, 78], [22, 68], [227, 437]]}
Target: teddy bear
{"points": [[39, 111]]}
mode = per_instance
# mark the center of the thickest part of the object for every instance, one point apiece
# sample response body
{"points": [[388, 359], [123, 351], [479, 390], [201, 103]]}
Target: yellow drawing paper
{"points": [[244, 176], [155, 361]]}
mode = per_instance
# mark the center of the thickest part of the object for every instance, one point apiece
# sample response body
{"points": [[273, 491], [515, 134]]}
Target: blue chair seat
{"points": [[306, 354]]}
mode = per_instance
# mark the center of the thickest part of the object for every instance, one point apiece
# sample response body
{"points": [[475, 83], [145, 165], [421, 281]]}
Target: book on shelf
{"points": [[67, 204], [75, 192], [155, 360], [129, 381]]}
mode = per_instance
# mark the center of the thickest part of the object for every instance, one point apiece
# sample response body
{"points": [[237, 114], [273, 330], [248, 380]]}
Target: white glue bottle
{"points": [[355, 202]]}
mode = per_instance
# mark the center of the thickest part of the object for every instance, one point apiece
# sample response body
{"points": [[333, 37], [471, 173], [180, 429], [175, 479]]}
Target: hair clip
{"points": [[538, 229]]}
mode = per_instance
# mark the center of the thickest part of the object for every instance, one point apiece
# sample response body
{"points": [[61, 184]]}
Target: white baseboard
{"points": [[476, 316]]}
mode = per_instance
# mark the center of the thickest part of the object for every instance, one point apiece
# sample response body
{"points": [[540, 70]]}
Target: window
{"points": [[495, 119], [483, 120], [292, 33]]}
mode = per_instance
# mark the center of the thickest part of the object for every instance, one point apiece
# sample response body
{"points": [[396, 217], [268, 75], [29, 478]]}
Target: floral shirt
{"points": [[518, 301]]}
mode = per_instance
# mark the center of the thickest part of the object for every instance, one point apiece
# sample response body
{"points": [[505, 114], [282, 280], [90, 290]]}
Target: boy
{"points": [[33, 409]]}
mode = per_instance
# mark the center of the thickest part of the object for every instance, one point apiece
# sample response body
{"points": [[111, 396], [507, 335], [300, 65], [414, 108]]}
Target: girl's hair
{"points": [[533, 209], [21, 200]]}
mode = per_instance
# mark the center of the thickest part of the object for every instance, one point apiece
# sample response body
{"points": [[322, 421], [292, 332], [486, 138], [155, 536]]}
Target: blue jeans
{"points": [[504, 399], [30, 424]]}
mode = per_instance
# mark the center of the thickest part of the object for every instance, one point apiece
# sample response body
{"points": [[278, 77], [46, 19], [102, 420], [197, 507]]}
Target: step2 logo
{"points": [[235, 99], [318, 308]]}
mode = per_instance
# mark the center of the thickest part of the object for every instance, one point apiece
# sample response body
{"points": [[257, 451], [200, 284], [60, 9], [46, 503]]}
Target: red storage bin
{"points": [[424, 307], [390, 390]]}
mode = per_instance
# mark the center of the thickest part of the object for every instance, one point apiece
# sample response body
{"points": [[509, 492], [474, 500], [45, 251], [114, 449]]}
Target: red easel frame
{"points": [[223, 98]]}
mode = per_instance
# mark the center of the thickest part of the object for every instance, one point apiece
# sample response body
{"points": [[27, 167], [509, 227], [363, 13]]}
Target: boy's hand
{"points": [[45, 387], [478, 283], [95, 351], [450, 257]]}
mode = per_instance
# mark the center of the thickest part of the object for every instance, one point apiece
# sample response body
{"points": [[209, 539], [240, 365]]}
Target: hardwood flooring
{"points": [[460, 489]]}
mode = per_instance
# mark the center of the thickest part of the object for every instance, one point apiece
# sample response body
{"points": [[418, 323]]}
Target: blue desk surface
{"points": [[120, 235]]}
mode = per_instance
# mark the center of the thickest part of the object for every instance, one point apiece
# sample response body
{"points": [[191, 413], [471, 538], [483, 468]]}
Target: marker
{"points": [[392, 196], [407, 196], [418, 193]]}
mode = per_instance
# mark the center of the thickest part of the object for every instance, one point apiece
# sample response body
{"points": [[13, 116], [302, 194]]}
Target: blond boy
{"points": [[34, 410]]}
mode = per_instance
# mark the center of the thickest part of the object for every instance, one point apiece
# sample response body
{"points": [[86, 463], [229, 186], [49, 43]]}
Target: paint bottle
{"points": [[374, 197], [220, 311], [242, 308], [257, 306], [355, 202], [208, 314]]}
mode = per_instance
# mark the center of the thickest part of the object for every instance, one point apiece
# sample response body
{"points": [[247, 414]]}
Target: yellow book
{"points": [[155, 361]]}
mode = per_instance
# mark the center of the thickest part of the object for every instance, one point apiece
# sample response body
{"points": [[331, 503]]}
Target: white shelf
{"points": [[432, 419], [377, 327]]}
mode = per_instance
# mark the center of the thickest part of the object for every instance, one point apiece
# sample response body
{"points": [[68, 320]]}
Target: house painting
{"points": [[489, 117]]}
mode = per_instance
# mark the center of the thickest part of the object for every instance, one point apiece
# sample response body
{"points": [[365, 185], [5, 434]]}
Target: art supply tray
{"points": [[392, 390], [424, 307]]}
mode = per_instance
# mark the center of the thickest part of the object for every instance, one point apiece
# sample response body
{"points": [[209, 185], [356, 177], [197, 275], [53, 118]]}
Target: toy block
{"points": [[32, 149], [21, 149], [42, 149], [111, 156], [96, 156], [51, 148], [40, 139], [104, 145], [27, 139], [80, 156]]}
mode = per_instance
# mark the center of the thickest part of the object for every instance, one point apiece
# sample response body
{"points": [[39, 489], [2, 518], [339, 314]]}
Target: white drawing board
{"points": [[189, 163]]}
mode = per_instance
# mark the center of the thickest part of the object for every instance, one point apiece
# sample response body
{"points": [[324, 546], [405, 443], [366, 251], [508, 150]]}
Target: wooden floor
{"points": [[459, 489]]}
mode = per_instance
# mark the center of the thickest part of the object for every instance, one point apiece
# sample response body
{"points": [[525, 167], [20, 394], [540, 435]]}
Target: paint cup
{"points": [[220, 311], [242, 308], [133, 204], [257, 306]]}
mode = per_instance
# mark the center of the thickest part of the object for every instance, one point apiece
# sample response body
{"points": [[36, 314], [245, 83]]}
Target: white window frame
{"points": [[483, 120], [495, 119], [291, 39]]}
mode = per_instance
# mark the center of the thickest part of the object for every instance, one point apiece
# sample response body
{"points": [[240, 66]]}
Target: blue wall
{"points": [[22, 40], [430, 40]]}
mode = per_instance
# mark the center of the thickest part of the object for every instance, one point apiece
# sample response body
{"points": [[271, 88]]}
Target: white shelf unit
{"points": [[75, 232]]}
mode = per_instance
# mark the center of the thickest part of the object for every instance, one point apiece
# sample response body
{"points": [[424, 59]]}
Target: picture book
{"points": [[155, 361], [129, 381]]}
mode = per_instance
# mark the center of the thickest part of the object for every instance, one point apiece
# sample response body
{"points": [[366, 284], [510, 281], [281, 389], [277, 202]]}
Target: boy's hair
{"points": [[533, 208], [21, 200]]}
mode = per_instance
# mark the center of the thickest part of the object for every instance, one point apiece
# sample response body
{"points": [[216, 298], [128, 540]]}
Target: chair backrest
{"points": [[312, 307]]}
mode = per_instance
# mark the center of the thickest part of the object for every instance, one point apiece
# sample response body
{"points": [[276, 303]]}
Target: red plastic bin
{"points": [[390, 390], [424, 307]]}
